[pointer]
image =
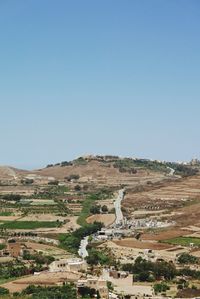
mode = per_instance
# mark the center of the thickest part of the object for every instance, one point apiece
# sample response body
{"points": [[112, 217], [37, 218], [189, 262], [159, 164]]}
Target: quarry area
{"points": [[101, 227]]}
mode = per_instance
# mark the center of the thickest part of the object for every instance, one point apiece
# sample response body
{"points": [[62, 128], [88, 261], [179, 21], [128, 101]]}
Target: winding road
{"points": [[117, 205], [83, 248], [119, 218]]}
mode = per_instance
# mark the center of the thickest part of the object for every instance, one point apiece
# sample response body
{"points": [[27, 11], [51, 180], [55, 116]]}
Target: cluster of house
{"points": [[109, 234], [79, 265], [122, 281], [72, 265]]}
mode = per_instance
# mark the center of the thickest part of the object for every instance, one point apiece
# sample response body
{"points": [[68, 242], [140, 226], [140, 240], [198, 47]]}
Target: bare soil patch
{"points": [[9, 218], [106, 219], [188, 293], [164, 235], [44, 279], [42, 217], [132, 243]]}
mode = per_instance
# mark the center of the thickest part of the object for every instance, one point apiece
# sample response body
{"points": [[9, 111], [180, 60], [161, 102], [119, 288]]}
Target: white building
{"points": [[63, 265], [96, 283]]}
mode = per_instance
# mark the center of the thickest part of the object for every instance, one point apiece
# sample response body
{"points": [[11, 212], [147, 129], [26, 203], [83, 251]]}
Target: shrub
{"points": [[95, 209], [186, 258], [161, 287], [3, 291], [104, 209]]}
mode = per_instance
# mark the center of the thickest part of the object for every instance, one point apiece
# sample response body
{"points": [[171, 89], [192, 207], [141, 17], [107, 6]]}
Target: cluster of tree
{"points": [[49, 165], [150, 271], [38, 258], [96, 257], [24, 234], [62, 164], [3, 291], [183, 170], [16, 269], [129, 165], [182, 284], [2, 246], [66, 163], [101, 194], [189, 273], [72, 241], [11, 197], [80, 161], [77, 188], [144, 270], [60, 292], [186, 258], [86, 292], [97, 209], [161, 287], [51, 191]]}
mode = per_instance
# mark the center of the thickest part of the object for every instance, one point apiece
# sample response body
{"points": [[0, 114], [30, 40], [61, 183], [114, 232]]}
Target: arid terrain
{"points": [[117, 209]]}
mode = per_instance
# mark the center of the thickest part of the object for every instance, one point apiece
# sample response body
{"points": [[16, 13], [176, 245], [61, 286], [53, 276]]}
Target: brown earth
{"points": [[166, 191], [164, 235], [101, 174], [188, 293], [106, 219], [132, 243], [45, 279], [181, 196]]}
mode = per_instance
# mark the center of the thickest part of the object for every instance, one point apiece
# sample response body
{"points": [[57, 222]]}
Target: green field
{"points": [[89, 201], [2, 246], [43, 202], [29, 224], [184, 241], [85, 212], [6, 213]]}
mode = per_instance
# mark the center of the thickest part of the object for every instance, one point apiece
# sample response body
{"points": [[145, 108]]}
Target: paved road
{"points": [[119, 217], [83, 248], [117, 205]]}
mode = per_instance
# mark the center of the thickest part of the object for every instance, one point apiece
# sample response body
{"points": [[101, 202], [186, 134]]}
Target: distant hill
{"points": [[112, 170], [106, 170], [10, 173]]}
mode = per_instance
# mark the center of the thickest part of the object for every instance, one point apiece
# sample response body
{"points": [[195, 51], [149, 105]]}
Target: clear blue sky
{"points": [[106, 77]]}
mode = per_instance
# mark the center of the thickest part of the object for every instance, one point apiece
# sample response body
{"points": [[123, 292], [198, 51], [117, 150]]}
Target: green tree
{"points": [[186, 258], [104, 209], [95, 209], [161, 287], [3, 291]]}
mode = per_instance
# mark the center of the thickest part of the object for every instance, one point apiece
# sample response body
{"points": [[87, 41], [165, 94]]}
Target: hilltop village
{"points": [[101, 227]]}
